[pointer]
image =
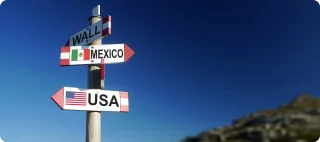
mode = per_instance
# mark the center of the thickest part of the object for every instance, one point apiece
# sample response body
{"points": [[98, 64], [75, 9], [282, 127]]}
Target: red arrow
{"points": [[58, 98], [128, 53]]}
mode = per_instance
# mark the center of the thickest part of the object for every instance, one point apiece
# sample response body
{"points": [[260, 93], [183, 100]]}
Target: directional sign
{"points": [[85, 55], [93, 32], [70, 98]]}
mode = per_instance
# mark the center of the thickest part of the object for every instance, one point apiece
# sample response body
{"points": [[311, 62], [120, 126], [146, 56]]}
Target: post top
{"points": [[96, 11]]}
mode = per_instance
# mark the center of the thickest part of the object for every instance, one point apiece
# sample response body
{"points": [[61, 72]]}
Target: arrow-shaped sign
{"points": [[91, 33], [85, 55], [70, 98]]}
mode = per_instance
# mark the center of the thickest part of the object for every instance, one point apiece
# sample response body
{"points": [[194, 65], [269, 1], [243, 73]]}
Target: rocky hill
{"points": [[297, 121]]}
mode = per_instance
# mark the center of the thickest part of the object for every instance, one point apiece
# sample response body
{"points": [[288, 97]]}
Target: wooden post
{"points": [[93, 120]]}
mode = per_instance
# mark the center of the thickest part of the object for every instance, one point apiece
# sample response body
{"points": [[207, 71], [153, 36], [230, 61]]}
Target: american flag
{"points": [[76, 98]]}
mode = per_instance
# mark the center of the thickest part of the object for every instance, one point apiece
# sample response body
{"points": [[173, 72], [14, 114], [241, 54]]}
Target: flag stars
{"points": [[69, 94]]}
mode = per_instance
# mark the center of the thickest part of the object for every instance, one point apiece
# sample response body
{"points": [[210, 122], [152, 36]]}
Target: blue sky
{"points": [[197, 64]]}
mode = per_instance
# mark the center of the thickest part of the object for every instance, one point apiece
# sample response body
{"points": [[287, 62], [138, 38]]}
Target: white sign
{"points": [[85, 55], [91, 33], [70, 98]]}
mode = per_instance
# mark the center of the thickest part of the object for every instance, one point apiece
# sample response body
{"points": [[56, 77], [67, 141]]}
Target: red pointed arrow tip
{"points": [[58, 98], [128, 53]]}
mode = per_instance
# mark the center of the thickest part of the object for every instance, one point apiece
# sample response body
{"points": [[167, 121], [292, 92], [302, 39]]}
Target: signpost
{"points": [[84, 48], [86, 55], [70, 98]]}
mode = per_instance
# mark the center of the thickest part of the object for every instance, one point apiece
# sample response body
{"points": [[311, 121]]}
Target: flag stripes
{"points": [[124, 102], [65, 56], [80, 54], [76, 98], [106, 26]]}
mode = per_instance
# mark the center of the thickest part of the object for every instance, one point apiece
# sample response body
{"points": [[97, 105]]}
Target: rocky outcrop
{"points": [[297, 121]]}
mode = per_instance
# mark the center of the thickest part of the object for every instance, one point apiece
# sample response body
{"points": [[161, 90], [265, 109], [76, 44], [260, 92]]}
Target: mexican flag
{"points": [[80, 54]]}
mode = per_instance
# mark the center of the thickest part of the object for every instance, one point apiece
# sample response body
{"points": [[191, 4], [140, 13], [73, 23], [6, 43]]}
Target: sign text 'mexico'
{"points": [[106, 53], [92, 54]]}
